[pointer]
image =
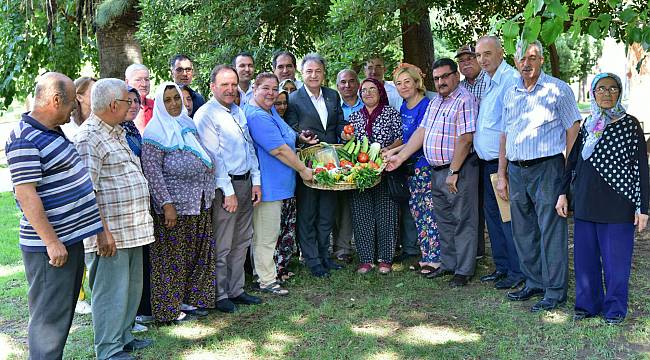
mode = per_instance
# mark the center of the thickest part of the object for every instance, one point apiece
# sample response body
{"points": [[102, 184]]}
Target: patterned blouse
{"points": [[385, 130], [178, 177]]}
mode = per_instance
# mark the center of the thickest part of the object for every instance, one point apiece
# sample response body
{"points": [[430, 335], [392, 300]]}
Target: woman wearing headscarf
{"points": [[133, 137], [610, 198], [182, 184], [374, 213], [288, 85], [410, 85], [275, 144]]}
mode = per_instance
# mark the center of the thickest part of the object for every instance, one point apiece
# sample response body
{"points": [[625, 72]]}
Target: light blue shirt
{"points": [[347, 109], [489, 124], [245, 97], [536, 121]]}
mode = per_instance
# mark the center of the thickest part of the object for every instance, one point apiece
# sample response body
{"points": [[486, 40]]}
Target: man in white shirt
{"points": [[223, 129], [245, 66]]}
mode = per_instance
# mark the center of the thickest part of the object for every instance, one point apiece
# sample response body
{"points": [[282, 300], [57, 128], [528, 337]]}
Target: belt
{"points": [[529, 163], [240, 177], [491, 162], [441, 167], [446, 166]]}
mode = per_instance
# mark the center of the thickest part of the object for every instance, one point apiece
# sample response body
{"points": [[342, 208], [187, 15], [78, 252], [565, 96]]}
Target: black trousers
{"points": [[316, 211]]}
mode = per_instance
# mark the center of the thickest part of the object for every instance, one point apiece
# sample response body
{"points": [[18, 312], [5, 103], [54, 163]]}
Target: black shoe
{"points": [[226, 306], [440, 272], [546, 305], [404, 257], [581, 315], [495, 276], [508, 283], [246, 299], [331, 265], [197, 312], [136, 344], [524, 294], [346, 258], [616, 320], [122, 355], [319, 271], [459, 280]]}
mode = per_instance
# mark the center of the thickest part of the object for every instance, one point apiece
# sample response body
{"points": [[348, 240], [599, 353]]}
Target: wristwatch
{"points": [[453, 172]]}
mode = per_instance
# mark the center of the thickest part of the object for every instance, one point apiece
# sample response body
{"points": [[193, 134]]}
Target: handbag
{"points": [[398, 190]]}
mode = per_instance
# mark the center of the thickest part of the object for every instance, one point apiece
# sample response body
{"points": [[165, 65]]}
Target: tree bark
{"points": [[555, 61], [117, 45], [417, 40]]}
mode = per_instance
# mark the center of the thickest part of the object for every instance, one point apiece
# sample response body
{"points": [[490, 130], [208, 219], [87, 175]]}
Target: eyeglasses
{"points": [[369, 91], [612, 90], [181, 70], [128, 101], [443, 76]]}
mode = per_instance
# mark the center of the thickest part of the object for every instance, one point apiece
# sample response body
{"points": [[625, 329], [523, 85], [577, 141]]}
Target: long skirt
{"points": [[422, 211], [287, 238], [182, 265]]}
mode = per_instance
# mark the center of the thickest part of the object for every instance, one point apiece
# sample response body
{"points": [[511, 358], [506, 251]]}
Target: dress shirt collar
{"points": [[111, 130], [540, 80], [453, 95], [496, 78], [344, 104], [312, 96]]}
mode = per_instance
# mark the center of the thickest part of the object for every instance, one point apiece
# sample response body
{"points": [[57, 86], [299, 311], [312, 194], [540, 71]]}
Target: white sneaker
{"points": [[82, 307], [144, 319], [186, 307], [139, 328]]}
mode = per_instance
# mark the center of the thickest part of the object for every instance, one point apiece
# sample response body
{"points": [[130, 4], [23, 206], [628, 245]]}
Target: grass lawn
{"points": [[399, 316]]}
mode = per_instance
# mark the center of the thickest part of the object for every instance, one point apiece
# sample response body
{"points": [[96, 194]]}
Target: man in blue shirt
{"points": [[499, 77], [541, 120], [347, 82], [55, 194]]}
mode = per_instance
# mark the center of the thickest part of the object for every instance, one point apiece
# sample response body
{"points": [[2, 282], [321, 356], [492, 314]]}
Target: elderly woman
{"points": [[375, 215], [275, 143], [82, 110], [133, 137], [182, 184], [409, 83], [288, 85], [609, 159]]}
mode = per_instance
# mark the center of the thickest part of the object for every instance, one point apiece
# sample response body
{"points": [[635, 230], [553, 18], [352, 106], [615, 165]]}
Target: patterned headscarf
{"points": [[383, 101], [600, 118]]}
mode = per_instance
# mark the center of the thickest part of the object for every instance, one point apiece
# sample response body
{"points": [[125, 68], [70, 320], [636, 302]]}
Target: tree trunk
{"points": [[117, 45], [555, 61], [417, 40]]}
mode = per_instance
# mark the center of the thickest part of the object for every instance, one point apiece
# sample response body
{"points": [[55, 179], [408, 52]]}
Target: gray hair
{"points": [[128, 73], [104, 92], [521, 50], [346, 71], [312, 57], [493, 38], [48, 85]]}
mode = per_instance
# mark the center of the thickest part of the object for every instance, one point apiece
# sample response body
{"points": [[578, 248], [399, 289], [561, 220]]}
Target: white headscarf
{"points": [[170, 133]]}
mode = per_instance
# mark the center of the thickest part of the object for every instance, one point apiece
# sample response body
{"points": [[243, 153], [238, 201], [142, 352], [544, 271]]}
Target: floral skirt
{"points": [[182, 265], [287, 239], [422, 209]]}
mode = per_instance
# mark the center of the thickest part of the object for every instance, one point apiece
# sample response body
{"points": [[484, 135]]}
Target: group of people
{"points": [[168, 197]]}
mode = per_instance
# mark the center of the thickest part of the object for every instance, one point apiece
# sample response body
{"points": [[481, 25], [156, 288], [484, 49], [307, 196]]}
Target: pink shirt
{"points": [[444, 121]]}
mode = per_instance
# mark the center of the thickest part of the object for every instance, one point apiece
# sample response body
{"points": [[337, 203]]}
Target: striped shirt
{"points": [[479, 87], [536, 121], [444, 121], [489, 124], [47, 158], [121, 188]]}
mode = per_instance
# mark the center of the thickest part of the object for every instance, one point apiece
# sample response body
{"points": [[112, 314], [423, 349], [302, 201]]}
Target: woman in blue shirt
{"points": [[409, 83], [275, 144]]}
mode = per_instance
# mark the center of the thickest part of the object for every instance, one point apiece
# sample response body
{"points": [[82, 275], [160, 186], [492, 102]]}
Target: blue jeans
{"points": [[504, 253]]}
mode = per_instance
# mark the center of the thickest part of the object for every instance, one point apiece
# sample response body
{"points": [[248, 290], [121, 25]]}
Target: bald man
{"points": [[55, 194]]}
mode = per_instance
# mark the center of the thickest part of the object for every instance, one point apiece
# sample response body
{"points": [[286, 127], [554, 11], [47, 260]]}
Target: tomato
{"points": [[319, 170], [373, 165], [348, 129], [363, 157], [345, 163], [330, 166]]}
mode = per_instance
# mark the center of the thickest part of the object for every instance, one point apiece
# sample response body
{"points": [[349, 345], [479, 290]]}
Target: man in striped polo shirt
{"points": [[541, 120], [55, 194], [446, 136]]}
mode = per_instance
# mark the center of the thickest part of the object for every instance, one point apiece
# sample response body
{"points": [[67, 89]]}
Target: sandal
{"points": [[364, 268], [427, 269], [385, 268], [274, 289]]}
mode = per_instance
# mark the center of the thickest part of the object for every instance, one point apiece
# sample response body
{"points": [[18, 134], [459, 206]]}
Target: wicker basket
{"points": [[339, 186]]}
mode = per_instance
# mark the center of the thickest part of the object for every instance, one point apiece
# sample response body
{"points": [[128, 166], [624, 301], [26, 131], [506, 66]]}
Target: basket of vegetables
{"points": [[355, 165]]}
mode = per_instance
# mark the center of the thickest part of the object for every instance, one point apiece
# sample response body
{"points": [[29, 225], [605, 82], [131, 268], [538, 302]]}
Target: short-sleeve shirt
{"points": [[445, 120], [411, 119], [348, 110], [121, 188], [47, 158], [269, 132], [536, 121]]}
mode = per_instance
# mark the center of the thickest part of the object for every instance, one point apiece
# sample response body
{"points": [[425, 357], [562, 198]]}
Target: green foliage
{"points": [[577, 56], [28, 51], [110, 9]]}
